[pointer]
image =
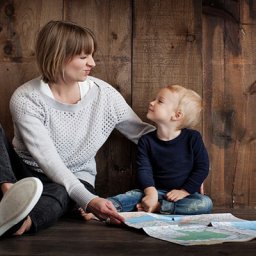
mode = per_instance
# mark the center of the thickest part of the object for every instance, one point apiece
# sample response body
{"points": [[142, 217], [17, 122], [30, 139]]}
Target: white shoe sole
{"points": [[18, 202]]}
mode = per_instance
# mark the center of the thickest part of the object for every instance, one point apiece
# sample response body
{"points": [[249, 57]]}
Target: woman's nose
{"points": [[91, 62]]}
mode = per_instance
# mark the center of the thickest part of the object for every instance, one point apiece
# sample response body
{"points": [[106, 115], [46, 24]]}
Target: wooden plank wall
{"points": [[228, 90], [144, 45]]}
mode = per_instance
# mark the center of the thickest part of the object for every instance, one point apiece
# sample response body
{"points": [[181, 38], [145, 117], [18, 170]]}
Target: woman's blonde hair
{"points": [[189, 104], [57, 43]]}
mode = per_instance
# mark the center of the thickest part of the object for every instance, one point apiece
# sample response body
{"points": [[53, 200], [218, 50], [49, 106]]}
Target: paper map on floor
{"points": [[202, 229]]}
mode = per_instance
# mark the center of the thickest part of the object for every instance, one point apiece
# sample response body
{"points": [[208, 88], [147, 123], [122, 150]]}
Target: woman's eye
{"points": [[83, 57]]}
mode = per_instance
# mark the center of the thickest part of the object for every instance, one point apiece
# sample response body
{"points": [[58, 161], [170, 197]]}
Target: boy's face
{"points": [[164, 107]]}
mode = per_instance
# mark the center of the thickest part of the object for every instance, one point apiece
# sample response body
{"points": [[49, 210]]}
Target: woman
{"points": [[61, 119]]}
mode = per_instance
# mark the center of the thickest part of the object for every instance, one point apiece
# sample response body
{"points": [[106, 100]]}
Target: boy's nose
{"points": [[151, 103]]}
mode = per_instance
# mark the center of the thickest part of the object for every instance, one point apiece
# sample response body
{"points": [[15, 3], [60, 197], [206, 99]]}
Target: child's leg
{"points": [[6, 170], [11, 166], [190, 205], [127, 202]]}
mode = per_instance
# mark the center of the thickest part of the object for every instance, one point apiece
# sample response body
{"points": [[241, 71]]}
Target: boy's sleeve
{"points": [[200, 166], [144, 171]]}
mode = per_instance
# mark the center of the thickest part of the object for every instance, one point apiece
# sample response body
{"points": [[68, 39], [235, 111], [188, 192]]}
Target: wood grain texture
{"points": [[73, 237], [166, 48], [110, 20], [214, 109], [241, 70], [19, 22], [143, 45], [239, 74], [229, 78]]}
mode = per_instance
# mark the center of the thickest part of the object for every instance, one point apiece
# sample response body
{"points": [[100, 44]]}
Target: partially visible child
{"points": [[172, 161]]}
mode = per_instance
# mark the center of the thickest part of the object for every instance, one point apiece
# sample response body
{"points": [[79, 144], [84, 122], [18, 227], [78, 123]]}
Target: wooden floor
{"points": [[73, 237]]}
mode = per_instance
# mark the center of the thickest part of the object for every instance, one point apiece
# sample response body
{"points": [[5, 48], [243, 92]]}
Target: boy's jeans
{"points": [[193, 204]]}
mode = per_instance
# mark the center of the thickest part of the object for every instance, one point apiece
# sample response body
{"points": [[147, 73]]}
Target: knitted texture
{"points": [[62, 140]]}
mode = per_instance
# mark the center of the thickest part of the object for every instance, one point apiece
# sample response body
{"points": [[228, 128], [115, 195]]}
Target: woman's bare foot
{"points": [[5, 187], [25, 227], [87, 216]]}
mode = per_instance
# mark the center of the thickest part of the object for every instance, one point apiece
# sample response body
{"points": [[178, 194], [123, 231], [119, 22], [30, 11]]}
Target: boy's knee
{"points": [[203, 205], [207, 204]]}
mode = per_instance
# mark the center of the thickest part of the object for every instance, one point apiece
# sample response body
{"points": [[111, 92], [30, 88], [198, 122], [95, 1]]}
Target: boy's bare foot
{"points": [[140, 208], [158, 207]]}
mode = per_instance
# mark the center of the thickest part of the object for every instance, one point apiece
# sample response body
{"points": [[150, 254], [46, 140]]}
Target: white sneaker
{"points": [[18, 202]]}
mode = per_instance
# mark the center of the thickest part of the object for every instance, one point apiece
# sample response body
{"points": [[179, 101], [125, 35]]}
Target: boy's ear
{"points": [[178, 115]]}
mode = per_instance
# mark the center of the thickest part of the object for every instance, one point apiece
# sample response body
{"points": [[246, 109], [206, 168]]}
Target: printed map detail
{"points": [[202, 229]]}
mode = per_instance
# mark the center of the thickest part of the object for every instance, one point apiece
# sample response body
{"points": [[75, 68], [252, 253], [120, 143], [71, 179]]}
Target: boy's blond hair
{"points": [[189, 103], [57, 43]]}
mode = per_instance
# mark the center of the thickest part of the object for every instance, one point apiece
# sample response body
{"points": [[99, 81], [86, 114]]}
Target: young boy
{"points": [[172, 161]]}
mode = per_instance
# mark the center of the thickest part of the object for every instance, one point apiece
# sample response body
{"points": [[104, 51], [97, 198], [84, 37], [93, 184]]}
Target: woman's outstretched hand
{"points": [[105, 210]]}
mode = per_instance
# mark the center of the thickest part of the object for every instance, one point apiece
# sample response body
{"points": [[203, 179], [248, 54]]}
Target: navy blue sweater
{"points": [[181, 163]]}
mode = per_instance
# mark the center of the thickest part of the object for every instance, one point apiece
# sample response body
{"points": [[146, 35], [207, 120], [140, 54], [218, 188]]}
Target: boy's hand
{"points": [[202, 189], [149, 202], [176, 194]]}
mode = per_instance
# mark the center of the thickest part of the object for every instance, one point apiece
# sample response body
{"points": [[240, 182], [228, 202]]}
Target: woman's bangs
{"points": [[85, 45]]}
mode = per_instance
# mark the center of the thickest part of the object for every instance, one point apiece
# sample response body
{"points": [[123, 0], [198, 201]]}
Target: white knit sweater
{"points": [[62, 140]]}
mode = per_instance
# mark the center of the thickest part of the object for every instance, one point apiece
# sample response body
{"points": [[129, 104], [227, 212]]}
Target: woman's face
{"points": [[78, 68]]}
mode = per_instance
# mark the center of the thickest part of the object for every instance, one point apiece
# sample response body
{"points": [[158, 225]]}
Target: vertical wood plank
{"points": [[143, 46], [20, 21], [219, 113], [167, 43], [110, 20], [237, 59], [229, 76], [214, 109], [248, 12], [244, 84]]}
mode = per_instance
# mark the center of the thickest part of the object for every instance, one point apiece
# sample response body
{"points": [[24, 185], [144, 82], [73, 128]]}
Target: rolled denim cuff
{"points": [[167, 207]]}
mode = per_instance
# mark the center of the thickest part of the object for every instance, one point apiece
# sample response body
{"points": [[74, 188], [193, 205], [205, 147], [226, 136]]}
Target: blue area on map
{"points": [[148, 218]]}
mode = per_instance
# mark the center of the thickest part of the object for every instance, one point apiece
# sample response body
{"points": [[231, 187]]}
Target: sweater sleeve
{"points": [[200, 166], [128, 122], [133, 127], [42, 149], [144, 172]]}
